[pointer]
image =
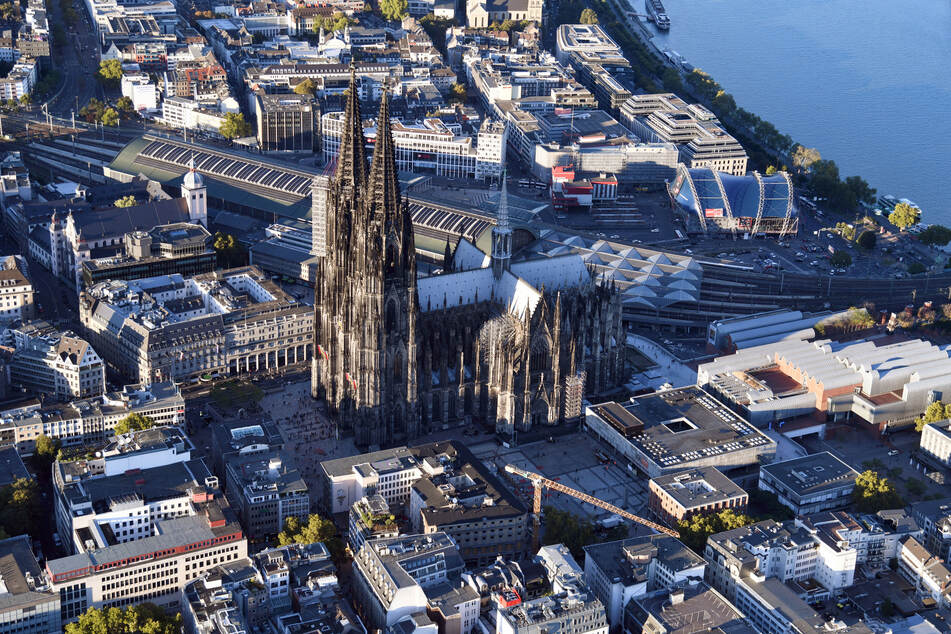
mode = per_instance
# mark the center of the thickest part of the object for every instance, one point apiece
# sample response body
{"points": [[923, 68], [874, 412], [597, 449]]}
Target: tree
{"points": [[317, 529], [125, 201], [145, 618], [110, 117], [935, 235], [867, 240], [92, 111], [695, 530], [936, 411], [230, 252], [110, 72], [874, 493], [575, 533], [904, 216], [860, 189], [588, 16], [914, 268], [19, 506], [803, 157], [234, 126], [840, 259], [770, 170], [393, 9], [457, 93], [46, 449], [125, 105], [26, 100], [306, 87], [133, 422]]}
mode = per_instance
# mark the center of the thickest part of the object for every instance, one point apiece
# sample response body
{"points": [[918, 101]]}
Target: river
{"points": [[866, 83]]}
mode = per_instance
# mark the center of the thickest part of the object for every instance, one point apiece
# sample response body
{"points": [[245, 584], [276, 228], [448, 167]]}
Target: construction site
{"points": [[576, 461]]}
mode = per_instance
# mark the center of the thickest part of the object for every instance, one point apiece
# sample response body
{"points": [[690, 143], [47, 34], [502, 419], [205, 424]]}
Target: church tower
{"points": [[196, 195], [502, 235], [365, 293]]}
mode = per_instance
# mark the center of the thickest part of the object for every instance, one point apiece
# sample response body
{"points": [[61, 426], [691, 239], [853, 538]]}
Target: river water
{"points": [[866, 82]]}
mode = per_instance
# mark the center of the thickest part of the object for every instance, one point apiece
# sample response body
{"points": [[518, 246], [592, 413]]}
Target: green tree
{"points": [[110, 72], [125, 105], [234, 126], [317, 529], [935, 235], [860, 189], [904, 216], [874, 493], [13, 105], [306, 87], [93, 110], [110, 117], [19, 506], [695, 530], [133, 422], [45, 450], [840, 259], [8, 11], [26, 100], [393, 9], [457, 93], [770, 170], [145, 618], [588, 16], [565, 528], [867, 240], [803, 157], [125, 201]]}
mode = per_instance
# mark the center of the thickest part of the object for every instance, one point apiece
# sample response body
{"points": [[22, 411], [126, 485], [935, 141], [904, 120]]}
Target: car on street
{"points": [[894, 452]]}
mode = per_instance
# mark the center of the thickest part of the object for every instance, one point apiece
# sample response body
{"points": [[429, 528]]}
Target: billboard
{"points": [[713, 212]]}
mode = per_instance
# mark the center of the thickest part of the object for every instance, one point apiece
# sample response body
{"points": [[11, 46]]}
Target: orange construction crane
{"points": [[540, 482]]}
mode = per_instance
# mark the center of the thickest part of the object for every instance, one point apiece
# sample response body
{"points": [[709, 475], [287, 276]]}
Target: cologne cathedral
{"points": [[513, 344]]}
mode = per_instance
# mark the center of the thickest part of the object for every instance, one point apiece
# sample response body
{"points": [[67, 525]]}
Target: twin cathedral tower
{"points": [[489, 340]]}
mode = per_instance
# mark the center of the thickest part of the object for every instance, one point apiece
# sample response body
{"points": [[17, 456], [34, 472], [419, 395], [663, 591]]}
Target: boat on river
{"points": [[657, 14]]}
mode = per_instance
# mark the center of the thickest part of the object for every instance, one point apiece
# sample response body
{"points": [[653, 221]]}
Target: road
{"points": [[78, 64]]}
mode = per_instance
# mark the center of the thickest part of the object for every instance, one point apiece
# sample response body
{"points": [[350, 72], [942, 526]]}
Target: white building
{"points": [[16, 290], [621, 570], [139, 88], [59, 365], [928, 573], [936, 441], [187, 114], [20, 80], [431, 145]]}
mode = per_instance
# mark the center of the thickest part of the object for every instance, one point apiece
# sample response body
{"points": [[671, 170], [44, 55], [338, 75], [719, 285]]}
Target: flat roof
{"points": [[812, 474], [698, 487]]}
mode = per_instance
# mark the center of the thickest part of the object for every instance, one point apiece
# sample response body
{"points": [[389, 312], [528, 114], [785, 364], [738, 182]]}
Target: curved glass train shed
{"points": [[752, 204]]}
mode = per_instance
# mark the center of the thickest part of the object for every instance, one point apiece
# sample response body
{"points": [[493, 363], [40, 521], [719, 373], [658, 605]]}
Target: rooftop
{"points": [[813, 474], [21, 577], [626, 560], [691, 608], [699, 487]]}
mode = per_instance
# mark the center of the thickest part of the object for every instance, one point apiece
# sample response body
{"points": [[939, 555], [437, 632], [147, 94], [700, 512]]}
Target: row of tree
{"points": [[562, 527], [144, 618]]}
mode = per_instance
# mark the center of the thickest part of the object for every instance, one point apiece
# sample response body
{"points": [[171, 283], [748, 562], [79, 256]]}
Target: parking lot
{"points": [[575, 460]]}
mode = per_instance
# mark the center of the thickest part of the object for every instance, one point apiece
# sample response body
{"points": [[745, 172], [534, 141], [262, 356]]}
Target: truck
{"points": [[610, 521]]}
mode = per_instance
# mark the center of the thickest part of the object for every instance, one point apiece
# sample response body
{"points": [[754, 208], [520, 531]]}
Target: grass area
{"points": [[236, 393]]}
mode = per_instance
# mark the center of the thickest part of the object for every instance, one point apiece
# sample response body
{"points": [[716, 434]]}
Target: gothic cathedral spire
{"points": [[383, 188], [352, 162], [502, 234]]}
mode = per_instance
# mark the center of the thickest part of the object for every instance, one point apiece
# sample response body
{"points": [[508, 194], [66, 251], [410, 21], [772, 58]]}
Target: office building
{"points": [[60, 365], [699, 136], [394, 578], [95, 511], [266, 490], [930, 576], [819, 482], [430, 146], [875, 538], [238, 437], [225, 600], [153, 568], [635, 163], [679, 429], [286, 122], [16, 290], [621, 570], [936, 441], [679, 496], [172, 327], [885, 384], [597, 59], [184, 248], [482, 13], [27, 603], [443, 488], [688, 608]]}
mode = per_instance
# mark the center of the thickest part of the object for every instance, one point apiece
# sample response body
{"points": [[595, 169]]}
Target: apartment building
{"points": [[934, 519], [621, 570], [266, 489], [370, 518], [397, 578], [698, 134], [90, 421], [704, 490], [172, 327], [875, 538], [286, 122], [27, 604], [94, 510], [16, 290], [930, 576], [674, 611], [153, 568], [60, 365], [431, 146], [573, 611], [818, 482], [21, 79]]}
